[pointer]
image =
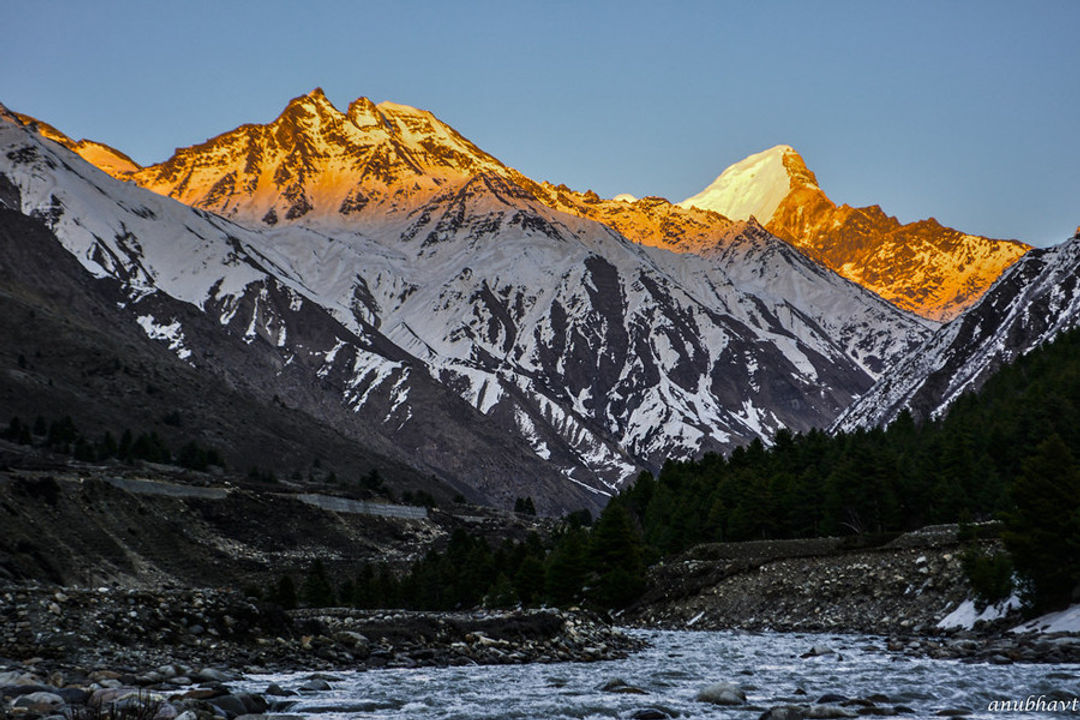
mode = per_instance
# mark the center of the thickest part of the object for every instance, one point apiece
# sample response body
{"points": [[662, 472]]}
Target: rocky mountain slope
{"points": [[1034, 300], [192, 284], [438, 275], [923, 266]]}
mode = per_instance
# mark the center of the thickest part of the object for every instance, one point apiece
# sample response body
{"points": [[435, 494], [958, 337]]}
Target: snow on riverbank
{"points": [[966, 615], [1067, 620]]}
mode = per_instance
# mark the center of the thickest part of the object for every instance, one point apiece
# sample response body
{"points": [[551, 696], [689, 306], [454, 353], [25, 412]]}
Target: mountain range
{"points": [[379, 274]]}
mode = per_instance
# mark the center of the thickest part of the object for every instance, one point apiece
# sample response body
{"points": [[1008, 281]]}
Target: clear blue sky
{"points": [[965, 111]]}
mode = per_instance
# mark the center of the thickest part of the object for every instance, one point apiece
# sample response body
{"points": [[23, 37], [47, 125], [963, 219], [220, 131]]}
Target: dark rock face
{"points": [[1034, 300]]}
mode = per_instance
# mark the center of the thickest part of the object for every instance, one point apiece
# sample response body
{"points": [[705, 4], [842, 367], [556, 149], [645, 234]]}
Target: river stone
{"points": [[167, 711], [253, 704], [830, 698], [783, 712], [829, 711], [73, 695], [13, 691], [230, 705], [39, 701], [14, 677], [187, 715], [722, 693], [315, 686], [618, 685], [818, 651], [212, 674], [277, 690], [649, 713]]}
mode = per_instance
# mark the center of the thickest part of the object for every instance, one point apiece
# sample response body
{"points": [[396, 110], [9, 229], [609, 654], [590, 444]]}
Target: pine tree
{"points": [[285, 593], [1043, 532], [316, 590], [617, 559], [567, 569], [529, 580]]}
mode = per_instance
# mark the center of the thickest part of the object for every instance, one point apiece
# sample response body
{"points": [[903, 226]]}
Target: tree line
{"points": [[1009, 452], [64, 437], [601, 565]]}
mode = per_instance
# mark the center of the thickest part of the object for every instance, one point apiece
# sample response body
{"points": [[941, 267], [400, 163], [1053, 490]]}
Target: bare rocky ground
{"points": [[75, 652], [119, 525], [899, 589], [114, 598]]}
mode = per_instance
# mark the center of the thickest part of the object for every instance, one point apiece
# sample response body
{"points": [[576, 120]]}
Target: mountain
{"points": [[1035, 300], [98, 154], [203, 288], [511, 337], [923, 266]]}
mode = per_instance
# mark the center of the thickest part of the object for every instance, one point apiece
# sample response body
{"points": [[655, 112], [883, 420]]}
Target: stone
{"points": [[618, 685], [783, 712], [315, 686], [230, 705], [166, 711], [277, 690], [73, 695], [829, 711], [39, 702], [649, 713], [187, 715], [830, 698], [722, 693], [14, 677], [818, 651], [213, 674]]}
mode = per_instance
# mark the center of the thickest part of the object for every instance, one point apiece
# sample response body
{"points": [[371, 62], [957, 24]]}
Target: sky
{"points": [[968, 112]]}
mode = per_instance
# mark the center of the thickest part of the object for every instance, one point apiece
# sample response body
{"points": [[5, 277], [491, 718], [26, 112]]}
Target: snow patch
{"points": [[966, 615], [1067, 620], [172, 333]]}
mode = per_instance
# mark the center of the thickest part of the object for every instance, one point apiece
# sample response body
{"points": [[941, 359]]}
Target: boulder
{"points": [[618, 685], [213, 674], [829, 711], [783, 712], [649, 713], [818, 651], [722, 693], [39, 702]]}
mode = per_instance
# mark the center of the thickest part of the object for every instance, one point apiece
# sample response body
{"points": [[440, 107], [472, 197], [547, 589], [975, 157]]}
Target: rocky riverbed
{"points": [[177, 650]]}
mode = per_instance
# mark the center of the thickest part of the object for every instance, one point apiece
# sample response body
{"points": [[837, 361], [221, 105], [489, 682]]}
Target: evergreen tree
{"points": [[285, 593], [617, 559], [529, 580], [1043, 532], [316, 590], [501, 594]]}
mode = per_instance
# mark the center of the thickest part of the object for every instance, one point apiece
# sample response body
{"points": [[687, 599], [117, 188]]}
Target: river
{"points": [[672, 671]]}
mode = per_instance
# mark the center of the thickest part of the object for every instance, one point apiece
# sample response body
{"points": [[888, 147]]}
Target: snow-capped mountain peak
{"points": [[755, 186], [923, 267]]}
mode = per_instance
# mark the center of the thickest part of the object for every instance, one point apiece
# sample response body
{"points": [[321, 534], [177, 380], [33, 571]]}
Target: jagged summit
{"points": [[755, 186], [316, 162]]}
